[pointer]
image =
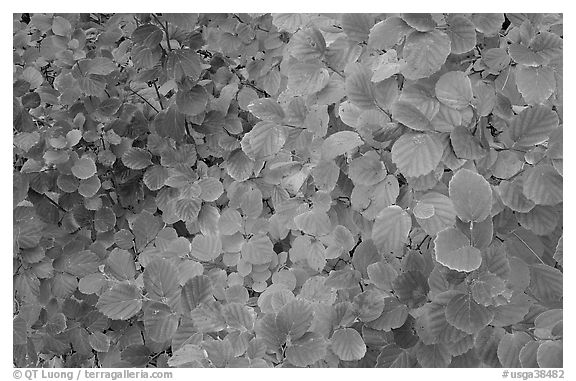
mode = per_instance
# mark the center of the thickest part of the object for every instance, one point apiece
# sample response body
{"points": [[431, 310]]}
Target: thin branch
{"points": [[144, 99], [158, 95], [54, 203], [334, 70], [165, 28]]}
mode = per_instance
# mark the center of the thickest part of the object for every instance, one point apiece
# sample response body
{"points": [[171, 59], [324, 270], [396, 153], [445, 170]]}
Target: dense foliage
{"points": [[257, 190]]}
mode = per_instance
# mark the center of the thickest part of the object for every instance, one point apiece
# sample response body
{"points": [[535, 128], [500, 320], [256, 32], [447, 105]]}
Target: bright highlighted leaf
{"points": [[84, 168], [391, 228], [416, 154], [266, 109], [453, 250], [339, 143], [121, 302], [347, 344], [465, 314], [435, 212], [264, 140], [454, 90], [471, 195]]}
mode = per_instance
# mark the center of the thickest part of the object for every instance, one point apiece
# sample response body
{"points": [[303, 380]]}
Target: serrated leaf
{"points": [[543, 185], [433, 355], [257, 250], [121, 302], [206, 247], [339, 143], [471, 195], [488, 23], [307, 349], [387, 33], [453, 250], [391, 228], [192, 102], [410, 116], [161, 282], [84, 168], [425, 53], [462, 33], [416, 154], [295, 318], [550, 354], [454, 89], [533, 126], [136, 158], [99, 341], [266, 109], [347, 344], [536, 84], [196, 290], [509, 348], [465, 314], [155, 177], [183, 62], [441, 216], [264, 140], [160, 321], [382, 274]]}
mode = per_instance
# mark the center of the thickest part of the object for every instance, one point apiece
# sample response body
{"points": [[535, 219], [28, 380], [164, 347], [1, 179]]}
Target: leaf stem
{"points": [[158, 95], [165, 28], [144, 99]]}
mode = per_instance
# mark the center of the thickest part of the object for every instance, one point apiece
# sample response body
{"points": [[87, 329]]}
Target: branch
{"points": [[165, 28], [144, 99], [158, 95]]}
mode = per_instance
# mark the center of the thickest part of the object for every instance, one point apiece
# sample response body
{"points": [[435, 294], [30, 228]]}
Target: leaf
{"points": [[440, 213], [359, 87], [308, 349], [239, 166], [536, 84], [339, 143], [497, 59], [160, 322], [382, 274], [239, 316], [425, 53], [488, 23], [307, 77], [393, 316], [170, 123], [550, 354], [206, 247], [212, 189], [462, 33], [410, 116], [347, 344], [433, 356], [84, 168], [387, 33], [220, 352], [392, 356], [183, 63], [99, 341], [465, 314], [356, 25], [257, 250], [121, 302], [192, 102], [453, 250], [471, 195], [161, 282], [543, 185], [264, 140], [307, 44], [546, 283], [412, 288], [136, 158], [155, 177], [509, 348], [145, 228], [79, 264], [148, 35], [196, 290], [266, 109], [416, 154], [391, 228], [369, 305], [454, 89], [422, 22], [295, 318]]}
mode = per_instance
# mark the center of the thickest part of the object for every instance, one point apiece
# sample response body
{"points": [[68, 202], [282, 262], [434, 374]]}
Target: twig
{"points": [[165, 28], [144, 99], [158, 95], [54, 203]]}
